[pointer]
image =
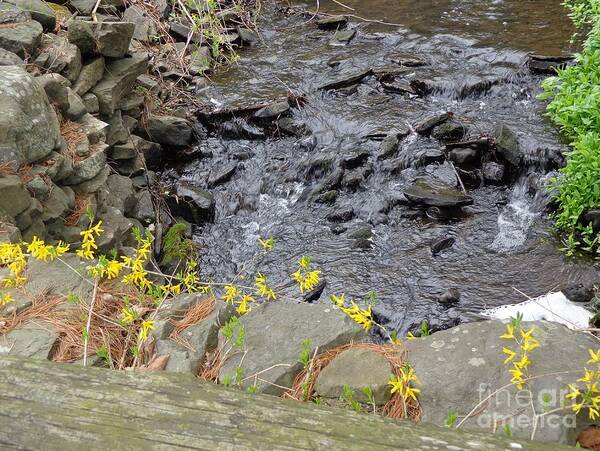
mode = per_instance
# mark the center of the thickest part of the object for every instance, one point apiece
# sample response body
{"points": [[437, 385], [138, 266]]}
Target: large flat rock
{"points": [[459, 367], [274, 334]]}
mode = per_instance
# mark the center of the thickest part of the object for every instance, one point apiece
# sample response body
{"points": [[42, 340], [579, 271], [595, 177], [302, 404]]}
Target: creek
{"points": [[475, 55]]}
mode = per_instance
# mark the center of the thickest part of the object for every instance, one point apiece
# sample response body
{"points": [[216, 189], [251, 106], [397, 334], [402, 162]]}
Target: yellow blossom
{"points": [[574, 392], [510, 353], [267, 244], [231, 293], [113, 269], [5, 299], [510, 332], [147, 326], [595, 356], [262, 288]]}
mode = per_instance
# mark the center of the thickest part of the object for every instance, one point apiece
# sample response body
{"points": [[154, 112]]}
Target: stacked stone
{"points": [[70, 128]]}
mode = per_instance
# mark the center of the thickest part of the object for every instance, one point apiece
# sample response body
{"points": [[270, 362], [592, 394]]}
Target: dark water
{"points": [[502, 241], [539, 26]]}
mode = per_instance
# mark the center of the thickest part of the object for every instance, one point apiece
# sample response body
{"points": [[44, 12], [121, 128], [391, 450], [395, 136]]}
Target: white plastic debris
{"points": [[550, 307]]}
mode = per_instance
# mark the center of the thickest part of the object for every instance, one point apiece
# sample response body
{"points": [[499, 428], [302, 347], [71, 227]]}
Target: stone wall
{"points": [[74, 133]]}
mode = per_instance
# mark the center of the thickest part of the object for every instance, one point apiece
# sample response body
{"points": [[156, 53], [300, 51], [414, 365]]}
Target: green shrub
{"points": [[575, 108]]}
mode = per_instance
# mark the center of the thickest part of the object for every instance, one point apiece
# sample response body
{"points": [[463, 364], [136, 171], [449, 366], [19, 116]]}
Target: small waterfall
{"points": [[517, 216]]}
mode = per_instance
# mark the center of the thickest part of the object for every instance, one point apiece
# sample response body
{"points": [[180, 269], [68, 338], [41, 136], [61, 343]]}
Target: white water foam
{"points": [[514, 221], [553, 307]]}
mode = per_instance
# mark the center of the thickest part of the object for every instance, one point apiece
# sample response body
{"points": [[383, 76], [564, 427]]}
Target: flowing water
{"points": [[475, 52]]}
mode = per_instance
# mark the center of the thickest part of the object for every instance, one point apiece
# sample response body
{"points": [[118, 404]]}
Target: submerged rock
{"points": [[547, 65], [388, 147], [342, 214], [347, 79], [449, 131], [493, 173], [507, 145], [273, 110], [425, 125], [218, 176], [432, 193], [464, 156], [342, 37], [331, 22], [441, 244], [450, 296]]}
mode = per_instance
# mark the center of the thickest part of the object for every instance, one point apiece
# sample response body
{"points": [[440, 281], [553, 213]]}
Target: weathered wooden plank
{"points": [[51, 406]]}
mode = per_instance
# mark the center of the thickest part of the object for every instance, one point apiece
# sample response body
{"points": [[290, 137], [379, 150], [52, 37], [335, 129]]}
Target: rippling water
{"points": [[501, 242]]}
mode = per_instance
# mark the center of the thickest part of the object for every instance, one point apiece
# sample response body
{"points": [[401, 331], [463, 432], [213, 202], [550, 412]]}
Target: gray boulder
{"points": [[507, 145], [274, 332], [18, 33], [118, 81], [144, 208], [56, 205], [122, 195], [202, 337], [358, 368], [89, 76], [39, 10], [28, 126], [35, 339], [460, 367], [94, 184], [116, 229], [58, 55], [75, 108], [85, 7], [88, 168], [91, 103], [14, 198], [25, 219], [116, 133], [192, 203], [106, 38], [168, 130], [94, 128], [38, 187], [10, 59], [50, 278], [144, 26], [200, 60]]}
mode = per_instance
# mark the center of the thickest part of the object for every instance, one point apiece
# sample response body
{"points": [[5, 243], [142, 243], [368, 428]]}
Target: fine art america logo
{"points": [[522, 410]]}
